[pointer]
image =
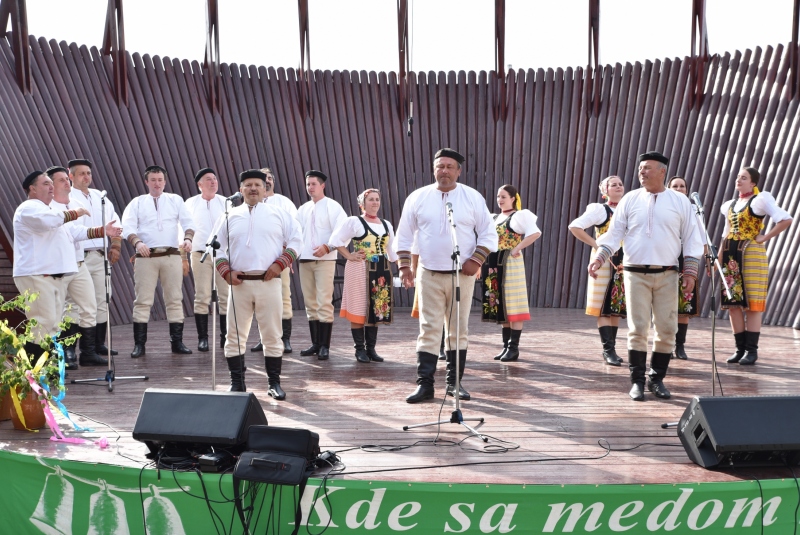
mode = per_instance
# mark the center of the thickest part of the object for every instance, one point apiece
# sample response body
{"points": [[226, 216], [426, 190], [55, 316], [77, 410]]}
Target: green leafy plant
{"points": [[23, 354]]}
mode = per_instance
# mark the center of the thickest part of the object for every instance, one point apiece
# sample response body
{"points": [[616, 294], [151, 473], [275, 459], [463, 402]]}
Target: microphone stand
{"points": [[211, 248], [455, 417], [713, 261], [110, 376]]}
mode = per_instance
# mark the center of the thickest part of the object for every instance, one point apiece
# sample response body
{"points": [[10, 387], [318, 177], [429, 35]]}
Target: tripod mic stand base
{"points": [[109, 378], [455, 418]]}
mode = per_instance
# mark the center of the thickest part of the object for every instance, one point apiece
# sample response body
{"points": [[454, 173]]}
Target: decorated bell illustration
{"points": [[160, 514], [107, 513], [53, 514]]}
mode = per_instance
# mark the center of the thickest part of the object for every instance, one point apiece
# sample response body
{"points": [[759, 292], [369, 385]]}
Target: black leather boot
{"points": [[680, 340], [70, 358], [235, 367], [442, 355], [287, 335], [637, 363], [750, 348], [512, 351], [176, 339], [273, 367], [506, 337], [740, 338], [451, 373], [659, 362], [358, 343], [325, 330], [426, 368], [88, 356], [609, 345], [100, 340], [313, 349], [223, 330], [258, 348], [371, 338], [139, 340], [201, 322]]}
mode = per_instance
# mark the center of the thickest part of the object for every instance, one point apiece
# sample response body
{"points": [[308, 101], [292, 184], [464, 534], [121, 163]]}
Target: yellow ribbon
{"points": [[518, 202], [755, 191]]}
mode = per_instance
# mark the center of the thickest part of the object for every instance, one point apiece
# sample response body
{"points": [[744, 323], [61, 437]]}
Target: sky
{"points": [[445, 34]]}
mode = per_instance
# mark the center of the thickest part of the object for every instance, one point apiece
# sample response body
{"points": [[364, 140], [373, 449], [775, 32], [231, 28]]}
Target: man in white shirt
{"points": [[318, 217], [425, 218], [80, 289], [259, 243], [282, 202], [43, 255], [657, 224], [80, 173], [206, 209], [150, 223]]}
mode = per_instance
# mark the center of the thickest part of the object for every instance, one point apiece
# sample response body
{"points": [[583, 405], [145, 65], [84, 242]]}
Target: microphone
{"points": [[235, 197], [696, 200]]}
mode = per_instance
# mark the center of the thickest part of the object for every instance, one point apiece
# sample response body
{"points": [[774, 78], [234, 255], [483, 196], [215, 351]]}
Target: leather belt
{"points": [[445, 272], [647, 269], [55, 275], [256, 277], [169, 251]]}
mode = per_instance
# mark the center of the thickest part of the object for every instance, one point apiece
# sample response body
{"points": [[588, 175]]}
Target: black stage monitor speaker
{"points": [[725, 432], [192, 418]]}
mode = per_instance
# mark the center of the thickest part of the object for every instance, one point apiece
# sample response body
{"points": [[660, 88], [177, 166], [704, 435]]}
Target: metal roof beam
{"points": [[211, 59], [16, 12], [114, 45]]}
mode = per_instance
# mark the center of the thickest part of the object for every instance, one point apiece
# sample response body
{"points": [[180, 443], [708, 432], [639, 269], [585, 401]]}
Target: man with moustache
{"points": [[44, 255], [425, 217], [150, 224], [260, 242], [206, 208], [656, 224], [80, 289], [80, 173], [318, 217], [283, 203]]}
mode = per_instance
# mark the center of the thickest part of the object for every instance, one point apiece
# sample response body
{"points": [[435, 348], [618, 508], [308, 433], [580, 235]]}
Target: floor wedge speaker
{"points": [[193, 419], [726, 432]]}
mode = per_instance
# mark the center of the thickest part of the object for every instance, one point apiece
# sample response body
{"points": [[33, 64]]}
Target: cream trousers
{"points": [[147, 272], [437, 309], [652, 297], [262, 299]]}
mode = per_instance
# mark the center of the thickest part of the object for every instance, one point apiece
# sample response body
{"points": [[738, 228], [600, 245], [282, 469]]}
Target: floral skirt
{"points": [[605, 295], [367, 292], [504, 289], [745, 268]]}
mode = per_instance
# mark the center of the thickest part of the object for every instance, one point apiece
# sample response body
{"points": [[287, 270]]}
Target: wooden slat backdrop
{"points": [[549, 144]]}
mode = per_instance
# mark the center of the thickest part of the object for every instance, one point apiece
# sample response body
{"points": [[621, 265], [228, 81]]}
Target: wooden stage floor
{"points": [[557, 403]]}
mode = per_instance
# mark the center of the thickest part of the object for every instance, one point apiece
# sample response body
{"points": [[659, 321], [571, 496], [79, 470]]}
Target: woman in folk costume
{"points": [[505, 292], [688, 302], [367, 293], [743, 256], [605, 295]]}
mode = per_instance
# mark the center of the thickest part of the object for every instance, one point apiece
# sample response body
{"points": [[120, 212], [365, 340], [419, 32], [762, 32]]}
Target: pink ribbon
{"points": [[58, 436]]}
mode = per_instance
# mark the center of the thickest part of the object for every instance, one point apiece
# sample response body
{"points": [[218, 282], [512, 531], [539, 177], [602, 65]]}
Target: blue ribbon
{"points": [[59, 348]]}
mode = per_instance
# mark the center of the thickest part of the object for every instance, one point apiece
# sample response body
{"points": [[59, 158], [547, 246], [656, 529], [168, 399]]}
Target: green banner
{"points": [[43, 495]]}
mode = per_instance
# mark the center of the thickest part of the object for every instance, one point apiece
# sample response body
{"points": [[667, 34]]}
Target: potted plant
{"points": [[26, 359]]}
